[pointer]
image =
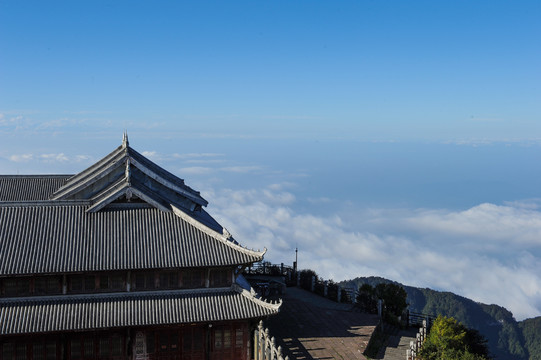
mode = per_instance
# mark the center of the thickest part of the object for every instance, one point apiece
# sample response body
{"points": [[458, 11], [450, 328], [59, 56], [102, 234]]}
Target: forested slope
{"points": [[507, 338]]}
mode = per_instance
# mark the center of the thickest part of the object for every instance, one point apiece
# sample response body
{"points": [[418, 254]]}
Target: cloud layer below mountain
{"points": [[489, 253]]}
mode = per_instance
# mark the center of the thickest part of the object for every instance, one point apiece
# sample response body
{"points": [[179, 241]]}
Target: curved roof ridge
{"points": [[100, 168], [213, 233], [99, 172], [275, 306]]}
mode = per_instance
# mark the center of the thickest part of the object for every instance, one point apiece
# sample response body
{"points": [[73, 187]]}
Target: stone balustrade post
{"points": [[339, 295], [266, 351], [325, 288], [298, 279], [313, 286]]}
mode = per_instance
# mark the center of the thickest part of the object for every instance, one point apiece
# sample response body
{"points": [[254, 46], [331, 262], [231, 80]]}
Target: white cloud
{"points": [[196, 170], [48, 158], [240, 169], [197, 155], [486, 253], [21, 157], [153, 155], [487, 222], [61, 157]]}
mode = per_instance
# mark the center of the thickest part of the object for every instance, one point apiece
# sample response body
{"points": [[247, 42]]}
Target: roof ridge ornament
{"points": [[125, 141], [127, 172], [129, 192]]}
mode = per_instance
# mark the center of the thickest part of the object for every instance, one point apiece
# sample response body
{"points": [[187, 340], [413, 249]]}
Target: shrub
{"points": [[449, 339]]}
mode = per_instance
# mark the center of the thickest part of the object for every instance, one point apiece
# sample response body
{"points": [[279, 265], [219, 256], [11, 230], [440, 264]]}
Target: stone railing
{"points": [[266, 268], [265, 346], [321, 287], [415, 346]]}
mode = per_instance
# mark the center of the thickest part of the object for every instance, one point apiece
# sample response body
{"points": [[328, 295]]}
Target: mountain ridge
{"points": [[507, 338]]}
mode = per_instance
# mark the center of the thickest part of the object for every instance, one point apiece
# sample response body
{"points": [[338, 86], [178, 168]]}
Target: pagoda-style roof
{"points": [[110, 311], [122, 213], [125, 173]]}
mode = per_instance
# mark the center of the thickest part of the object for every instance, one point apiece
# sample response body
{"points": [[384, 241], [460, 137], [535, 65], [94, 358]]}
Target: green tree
{"points": [[394, 299], [367, 299], [449, 339], [393, 296]]}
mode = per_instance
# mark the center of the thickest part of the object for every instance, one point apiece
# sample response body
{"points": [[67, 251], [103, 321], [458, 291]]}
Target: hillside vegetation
{"points": [[507, 338]]}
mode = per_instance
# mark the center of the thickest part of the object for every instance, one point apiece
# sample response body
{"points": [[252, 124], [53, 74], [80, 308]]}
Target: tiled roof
{"points": [[22, 316], [52, 237], [125, 169], [29, 187]]}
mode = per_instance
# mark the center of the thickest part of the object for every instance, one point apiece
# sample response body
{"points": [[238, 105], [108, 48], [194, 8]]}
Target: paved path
{"points": [[397, 345], [312, 327]]}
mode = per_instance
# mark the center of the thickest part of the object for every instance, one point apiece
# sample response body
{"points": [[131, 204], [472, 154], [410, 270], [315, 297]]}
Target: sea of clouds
{"points": [[489, 253]]}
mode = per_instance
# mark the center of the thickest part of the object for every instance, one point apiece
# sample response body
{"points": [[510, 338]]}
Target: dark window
{"points": [[40, 287], [144, 280], [23, 288], [76, 283], [117, 282], [163, 339], [220, 278], [227, 338], [104, 348], [88, 348], [50, 347], [193, 342], [104, 282], [218, 339], [75, 349], [239, 338], [38, 351], [44, 285], [8, 350], [108, 347], [198, 339], [90, 283], [192, 279], [151, 341], [169, 280], [187, 339], [174, 341], [116, 345], [10, 287]]}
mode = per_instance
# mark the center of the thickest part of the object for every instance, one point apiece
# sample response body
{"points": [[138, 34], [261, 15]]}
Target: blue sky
{"points": [[375, 135]]}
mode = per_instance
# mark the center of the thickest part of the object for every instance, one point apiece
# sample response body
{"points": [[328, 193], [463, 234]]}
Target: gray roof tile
{"points": [[46, 238], [23, 316], [30, 187]]}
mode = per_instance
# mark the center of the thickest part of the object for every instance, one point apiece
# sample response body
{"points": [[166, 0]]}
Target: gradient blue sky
{"points": [[375, 135]]}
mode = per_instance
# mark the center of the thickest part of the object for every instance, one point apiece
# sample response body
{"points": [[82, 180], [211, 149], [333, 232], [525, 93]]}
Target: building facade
{"points": [[120, 261]]}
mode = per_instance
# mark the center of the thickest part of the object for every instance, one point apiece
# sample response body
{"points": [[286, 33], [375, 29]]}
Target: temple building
{"points": [[120, 261]]}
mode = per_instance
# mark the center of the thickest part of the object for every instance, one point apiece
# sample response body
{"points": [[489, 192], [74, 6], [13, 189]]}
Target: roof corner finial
{"points": [[125, 141]]}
